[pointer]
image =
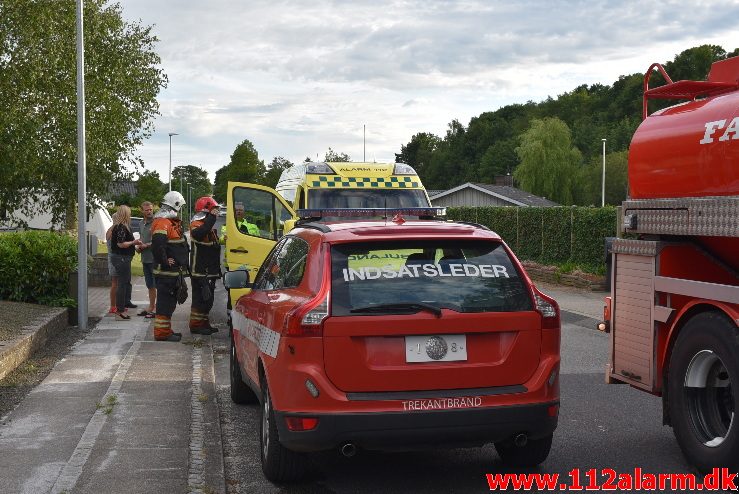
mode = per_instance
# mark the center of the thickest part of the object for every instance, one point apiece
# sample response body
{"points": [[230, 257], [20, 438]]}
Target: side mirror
{"points": [[236, 279]]}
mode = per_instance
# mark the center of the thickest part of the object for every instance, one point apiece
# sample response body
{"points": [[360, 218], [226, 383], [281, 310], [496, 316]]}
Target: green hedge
{"points": [[135, 211], [548, 235], [35, 267]]}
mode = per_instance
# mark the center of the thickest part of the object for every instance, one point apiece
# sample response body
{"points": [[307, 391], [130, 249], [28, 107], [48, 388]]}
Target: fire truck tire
{"points": [[534, 452], [279, 464], [241, 393], [702, 391]]}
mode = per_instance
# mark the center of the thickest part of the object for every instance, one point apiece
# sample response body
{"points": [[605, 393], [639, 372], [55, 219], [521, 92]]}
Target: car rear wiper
{"points": [[400, 305]]}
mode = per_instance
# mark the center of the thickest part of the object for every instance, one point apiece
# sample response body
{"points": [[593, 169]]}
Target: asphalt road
{"points": [[600, 426]]}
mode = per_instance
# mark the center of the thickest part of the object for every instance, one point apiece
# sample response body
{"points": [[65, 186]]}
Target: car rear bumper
{"points": [[419, 429]]}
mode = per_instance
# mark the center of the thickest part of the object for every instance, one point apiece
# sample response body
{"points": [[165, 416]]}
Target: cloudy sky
{"points": [[295, 77]]}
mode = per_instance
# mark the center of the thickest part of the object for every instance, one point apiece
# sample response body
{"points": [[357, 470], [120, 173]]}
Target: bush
{"points": [[570, 236], [35, 266], [135, 211]]}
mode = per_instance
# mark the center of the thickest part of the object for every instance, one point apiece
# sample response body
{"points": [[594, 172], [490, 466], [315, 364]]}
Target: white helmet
{"points": [[174, 200]]}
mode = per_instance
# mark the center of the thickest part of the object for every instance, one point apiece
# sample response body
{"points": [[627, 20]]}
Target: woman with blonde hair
{"points": [[123, 247]]}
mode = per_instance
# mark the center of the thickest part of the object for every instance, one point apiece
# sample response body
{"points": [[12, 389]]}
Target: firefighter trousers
{"points": [[202, 301], [166, 304]]}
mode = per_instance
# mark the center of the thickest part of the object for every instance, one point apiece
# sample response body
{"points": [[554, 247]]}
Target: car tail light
{"points": [[549, 310], [307, 319], [297, 424]]}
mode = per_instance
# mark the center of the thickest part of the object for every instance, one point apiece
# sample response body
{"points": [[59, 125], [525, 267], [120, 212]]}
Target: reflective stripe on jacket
{"points": [[205, 255], [168, 241]]}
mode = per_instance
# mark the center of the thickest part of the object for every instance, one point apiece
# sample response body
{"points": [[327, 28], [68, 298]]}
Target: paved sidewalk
{"points": [[121, 413]]}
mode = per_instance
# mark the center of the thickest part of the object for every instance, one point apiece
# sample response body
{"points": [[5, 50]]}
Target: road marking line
{"points": [[73, 469], [196, 472]]}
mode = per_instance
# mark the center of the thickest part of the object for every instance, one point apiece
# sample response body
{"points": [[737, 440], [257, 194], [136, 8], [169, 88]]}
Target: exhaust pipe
{"points": [[348, 450], [520, 440]]}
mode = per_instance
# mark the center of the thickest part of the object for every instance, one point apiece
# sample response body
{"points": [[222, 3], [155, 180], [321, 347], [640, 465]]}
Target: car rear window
{"points": [[464, 276]]}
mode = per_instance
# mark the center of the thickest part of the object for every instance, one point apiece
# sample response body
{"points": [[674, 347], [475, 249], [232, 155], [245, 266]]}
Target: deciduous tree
{"points": [[245, 166], [335, 156], [549, 163], [150, 187], [38, 123], [275, 169]]}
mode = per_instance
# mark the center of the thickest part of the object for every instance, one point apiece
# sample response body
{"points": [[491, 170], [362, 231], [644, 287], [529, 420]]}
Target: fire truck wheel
{"points": [[241, 393], [535, 451], [702, 391], [279, 464]]}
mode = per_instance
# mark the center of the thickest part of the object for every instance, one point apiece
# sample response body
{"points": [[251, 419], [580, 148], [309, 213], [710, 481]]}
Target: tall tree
{"points": [[275, 169], [192, 181], [333, 156], [549, 163], [417, 153], [590, 191], [150, 187], [38, 123], [244, 166]]}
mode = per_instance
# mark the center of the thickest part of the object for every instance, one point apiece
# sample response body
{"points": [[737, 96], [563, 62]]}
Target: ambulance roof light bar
{"points": [[424, 212]]}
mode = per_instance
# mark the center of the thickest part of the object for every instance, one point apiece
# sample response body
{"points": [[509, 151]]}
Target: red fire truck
{"points": [[673, 313]]}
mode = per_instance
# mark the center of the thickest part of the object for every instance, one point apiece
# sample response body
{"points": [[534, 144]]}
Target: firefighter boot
{"points": [[199, 323], [163, 329]]}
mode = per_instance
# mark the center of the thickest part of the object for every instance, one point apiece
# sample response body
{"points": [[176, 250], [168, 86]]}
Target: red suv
{"points": [[396, 334]]}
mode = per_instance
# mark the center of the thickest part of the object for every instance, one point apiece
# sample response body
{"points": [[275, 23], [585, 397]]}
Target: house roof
{"points": [[513, 195], [432, 193], [121, 187]]}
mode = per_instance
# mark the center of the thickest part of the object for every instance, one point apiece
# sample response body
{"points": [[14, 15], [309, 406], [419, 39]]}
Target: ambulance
{"points": [[258, 216]]}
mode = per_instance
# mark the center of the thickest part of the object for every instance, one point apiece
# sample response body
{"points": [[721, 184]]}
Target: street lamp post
{"points": [[170, 158], [603, 184], [189, 201]]}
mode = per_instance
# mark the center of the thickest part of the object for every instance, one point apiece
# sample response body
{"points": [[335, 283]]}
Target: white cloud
{"points": [[296, 77]]}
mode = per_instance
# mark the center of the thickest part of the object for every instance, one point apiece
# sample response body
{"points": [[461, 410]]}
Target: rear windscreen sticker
{"points": [[426, 270]]}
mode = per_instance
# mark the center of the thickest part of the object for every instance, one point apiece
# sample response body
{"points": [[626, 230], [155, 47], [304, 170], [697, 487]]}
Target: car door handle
{"points": [[240, 250]]}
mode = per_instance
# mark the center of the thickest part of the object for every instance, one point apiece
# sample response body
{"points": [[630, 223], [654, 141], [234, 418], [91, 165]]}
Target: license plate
{"points": [[436, 348]]}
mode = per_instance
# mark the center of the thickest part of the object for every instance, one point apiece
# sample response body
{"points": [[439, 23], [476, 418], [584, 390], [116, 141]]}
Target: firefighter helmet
{"points": [[174, 200], [205, 204]]}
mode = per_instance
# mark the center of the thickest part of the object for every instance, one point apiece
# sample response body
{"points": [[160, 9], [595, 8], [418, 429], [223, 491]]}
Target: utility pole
{"points": [[603, 185], [170, 158], [81, 178], [364, 144]]}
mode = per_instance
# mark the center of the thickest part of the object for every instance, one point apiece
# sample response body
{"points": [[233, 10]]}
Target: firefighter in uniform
{"points": [[205, 261], [170, 251]]}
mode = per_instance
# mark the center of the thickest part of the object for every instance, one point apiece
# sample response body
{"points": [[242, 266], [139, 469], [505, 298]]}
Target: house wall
{"points": [[469, 197]]}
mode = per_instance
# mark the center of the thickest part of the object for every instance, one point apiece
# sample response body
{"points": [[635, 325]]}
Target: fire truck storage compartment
{"points": [[632, 315]]}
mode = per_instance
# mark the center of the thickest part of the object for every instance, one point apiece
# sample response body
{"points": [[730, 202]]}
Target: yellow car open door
{"points": [[255, 221]]}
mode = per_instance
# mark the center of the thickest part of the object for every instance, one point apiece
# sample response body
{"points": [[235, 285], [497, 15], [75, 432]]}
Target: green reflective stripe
{"points": [[194, 267], [160, 232], [394, 182], [203, 243], [166, 273], [178, 241]]}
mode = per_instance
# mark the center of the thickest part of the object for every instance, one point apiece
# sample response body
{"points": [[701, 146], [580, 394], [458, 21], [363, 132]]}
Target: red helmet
{"points": [[205, 204]]}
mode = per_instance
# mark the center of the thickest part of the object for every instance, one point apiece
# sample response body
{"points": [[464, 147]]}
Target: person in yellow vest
{"points": [[205, 263], [241, 223], [171, 258]]}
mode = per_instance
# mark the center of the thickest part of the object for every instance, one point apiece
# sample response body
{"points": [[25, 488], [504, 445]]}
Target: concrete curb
{"points": [[14, 352]]}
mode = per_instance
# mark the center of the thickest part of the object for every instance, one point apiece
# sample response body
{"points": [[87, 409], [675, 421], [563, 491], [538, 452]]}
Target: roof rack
{"points": [[317, 214]]}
